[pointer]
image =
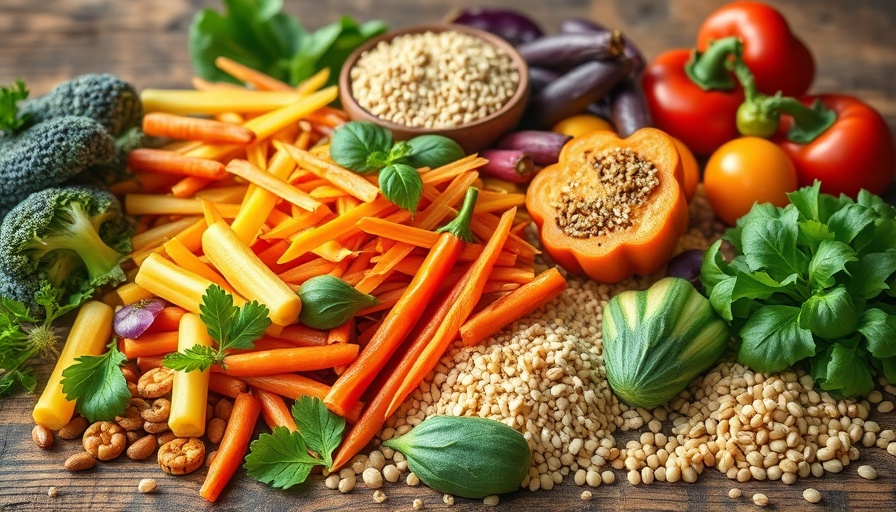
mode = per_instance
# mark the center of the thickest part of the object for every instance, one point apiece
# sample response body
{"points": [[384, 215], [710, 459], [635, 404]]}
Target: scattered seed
{"points": [[52, 492], [760, 499], [448, 499], [811, 495], [867, 472], [586, 496], [734, 493], [379, 496], [146, 485], [418, 504]]}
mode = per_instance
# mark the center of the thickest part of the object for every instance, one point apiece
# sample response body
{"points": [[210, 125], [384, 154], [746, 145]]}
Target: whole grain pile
{"points": [[544, 376]]}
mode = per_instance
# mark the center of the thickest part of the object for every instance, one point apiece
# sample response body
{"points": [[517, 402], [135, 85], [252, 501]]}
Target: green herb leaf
{"points": [[361, 146], [830, 259], [771, 245], [329, 302], [849, 221], [402, 185], [97, 386], [805, 200], [321, 428], [871, 274], [879, 330], [197, 357], [10, 119], [230, 326], [279, 459], [433, 151], [774, 340], [829, 314], [842, 370]]}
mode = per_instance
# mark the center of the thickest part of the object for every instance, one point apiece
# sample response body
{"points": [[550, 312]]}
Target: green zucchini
{"points": [[465, 456], [658, 340]]}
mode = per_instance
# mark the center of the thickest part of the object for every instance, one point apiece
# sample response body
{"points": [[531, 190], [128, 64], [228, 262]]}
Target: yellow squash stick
{"points": [[259, 202], [249, 275], [189, 392], [88, 337], [155, 204], [174, 284], [215, 102], [131, 293]]}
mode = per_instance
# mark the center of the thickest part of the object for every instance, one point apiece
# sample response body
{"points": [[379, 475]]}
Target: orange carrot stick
{"points": [[251, 76], [151, 344], [233, 447], [343, 333], [226, 385], [147, 363], [513, 306], [349, 387], [169, 162], [274, 410], [189, 186], [303, 336], [305, 271], [167, 320], [290, 385], [272, 184], [299, 359], [162, 124], [352, 183]]}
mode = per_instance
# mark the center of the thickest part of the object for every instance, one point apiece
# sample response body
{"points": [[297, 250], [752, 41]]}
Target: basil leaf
{"points": [[842, 370], [402, 185], [830, 258], [354, 143], [770, 244], [879, 330], [849, 221], [829, 314], [433, 151], [805, 200], [773, 339], [870, 274]]}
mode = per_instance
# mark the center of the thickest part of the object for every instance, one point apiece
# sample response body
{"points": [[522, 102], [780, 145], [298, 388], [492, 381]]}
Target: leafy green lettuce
{"points": [[813, 283]]}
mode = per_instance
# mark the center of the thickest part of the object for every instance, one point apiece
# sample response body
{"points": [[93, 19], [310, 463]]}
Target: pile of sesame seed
{"points": [[604, 204], [433, 80]]}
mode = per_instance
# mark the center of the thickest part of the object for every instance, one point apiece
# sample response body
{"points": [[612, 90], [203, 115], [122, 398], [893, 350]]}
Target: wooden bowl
{"points": [[474, 136]]}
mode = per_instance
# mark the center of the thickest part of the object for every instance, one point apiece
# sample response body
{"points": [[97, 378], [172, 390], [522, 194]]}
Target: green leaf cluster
{"points": [[366, 148], [10, 117], [97, 386], [285, 458], [812, 283], [256, 33]]}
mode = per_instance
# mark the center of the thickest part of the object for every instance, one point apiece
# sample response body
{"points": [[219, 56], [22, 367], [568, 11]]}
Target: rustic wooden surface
{"points": [[145, 43]]}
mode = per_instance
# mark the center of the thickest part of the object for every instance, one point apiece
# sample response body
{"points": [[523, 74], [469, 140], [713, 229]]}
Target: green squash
{"points": [[658, 340], [465, 456]]}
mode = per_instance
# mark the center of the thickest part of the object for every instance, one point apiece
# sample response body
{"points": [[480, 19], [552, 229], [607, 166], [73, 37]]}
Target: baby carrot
{"points": [[162, 124], [274, 410], [298, 359], [240, 427]]}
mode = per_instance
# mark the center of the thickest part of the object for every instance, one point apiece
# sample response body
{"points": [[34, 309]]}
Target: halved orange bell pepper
{"points": [[611, 208]]}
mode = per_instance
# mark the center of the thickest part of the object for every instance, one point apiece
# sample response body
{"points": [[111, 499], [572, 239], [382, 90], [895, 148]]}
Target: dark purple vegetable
{"points": [[132, 320], [628, 106], [579, 25], [571, 93], [563, 51], [508, 164], [543, 146], [511, 25], [686, 265], [540, 77], [601, 108]]}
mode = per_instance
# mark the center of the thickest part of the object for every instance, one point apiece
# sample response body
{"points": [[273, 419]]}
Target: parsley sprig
{"points": [[230, 326], [96, 384], [283, 458]]}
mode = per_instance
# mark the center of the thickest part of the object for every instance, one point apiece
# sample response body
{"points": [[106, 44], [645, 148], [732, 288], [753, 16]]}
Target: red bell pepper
{"points": [[694, 97], [779, 60]]}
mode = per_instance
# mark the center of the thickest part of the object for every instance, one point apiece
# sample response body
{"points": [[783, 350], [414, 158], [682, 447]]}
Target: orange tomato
{"points": [[581, 124], [746, 171], [691, 169]]}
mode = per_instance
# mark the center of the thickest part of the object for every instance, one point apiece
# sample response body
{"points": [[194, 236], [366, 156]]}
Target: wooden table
{"points": [[145, 43]]}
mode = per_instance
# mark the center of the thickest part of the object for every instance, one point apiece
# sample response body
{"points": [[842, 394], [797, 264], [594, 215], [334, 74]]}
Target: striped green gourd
{"points": [[658, 340]]}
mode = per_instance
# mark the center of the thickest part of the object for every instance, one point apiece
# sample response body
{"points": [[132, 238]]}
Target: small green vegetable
{"points": [[465, 456], [657, 340], [230, 326], [97, 386], [283, 459], [329, 302], [365, 148], [812, 283], [11, 119]]}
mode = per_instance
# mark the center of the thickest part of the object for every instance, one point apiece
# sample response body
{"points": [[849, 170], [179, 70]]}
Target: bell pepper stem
{"points": [[709, 69]]}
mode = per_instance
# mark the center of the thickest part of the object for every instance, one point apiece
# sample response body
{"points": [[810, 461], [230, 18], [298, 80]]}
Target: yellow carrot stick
{"points": [[187, 260], [243, 101], [449, 171], [230, 194], [249, 275], [272, 184], [155, 204], [314, 82], [132, 293], [352, 183], [157, 235], [175, 284], [189, 390], [88, 337], [293, 225]]}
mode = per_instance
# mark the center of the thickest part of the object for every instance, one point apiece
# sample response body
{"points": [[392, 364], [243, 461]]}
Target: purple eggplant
{"points": [[571, 93], [580, 26], [686, 265], [543, 146], [515, 27], [540, 77], [628, 106], [601, 108], [508, 164], [564, 51]]}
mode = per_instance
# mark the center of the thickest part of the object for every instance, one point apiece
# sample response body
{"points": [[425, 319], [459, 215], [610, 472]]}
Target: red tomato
{"points": [[778, 59], [702, 120], [746, 171], [856, 152]]}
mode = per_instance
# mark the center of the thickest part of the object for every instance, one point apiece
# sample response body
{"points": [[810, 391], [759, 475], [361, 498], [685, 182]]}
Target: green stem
{"points": [[709, 69], [460, 226]]}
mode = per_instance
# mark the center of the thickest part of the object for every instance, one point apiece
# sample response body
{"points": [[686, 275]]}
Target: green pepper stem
{"points": [[460, 226], [709, 69]]}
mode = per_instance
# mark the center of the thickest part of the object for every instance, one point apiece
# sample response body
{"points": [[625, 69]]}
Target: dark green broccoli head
{"points": [[73, 237], [48, 154], [105, 98]]}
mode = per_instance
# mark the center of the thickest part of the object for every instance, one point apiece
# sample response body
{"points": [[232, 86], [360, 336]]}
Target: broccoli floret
{"points": [[73, 237], [48, 154], [104, 98]]}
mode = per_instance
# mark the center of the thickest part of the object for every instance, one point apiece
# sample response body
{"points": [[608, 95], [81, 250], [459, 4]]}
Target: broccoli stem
{"points": [[80, 234]]}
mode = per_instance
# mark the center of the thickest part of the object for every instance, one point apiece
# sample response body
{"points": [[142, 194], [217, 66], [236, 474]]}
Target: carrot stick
{"points": [[162, 124], [185, 101], [450, 171], [303, 336], [239, 431], [158, 235], [167, 320], [500, 202], [274, 410], [224, 194], [295, 224], [147, 363], [513, 306], [272, 184], [349, 387], [186, 259], [290, 385], [343, 333], [149, 344], [474, 281], [314, 82], [257, 79], [189, 186], [174, 284], [352, 183], [154, 204], [299, 359], [305, 271], [259, 203], [226, 385], [169, 162]]}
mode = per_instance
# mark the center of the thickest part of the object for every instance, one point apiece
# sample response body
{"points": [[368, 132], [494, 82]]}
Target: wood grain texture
{"points": [[145, 42]]}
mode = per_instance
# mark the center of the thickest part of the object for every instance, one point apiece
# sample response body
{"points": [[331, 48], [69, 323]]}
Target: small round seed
{"points": [[867, 472], [146, 485], [760, 499], [811, 495], [734, 493]]}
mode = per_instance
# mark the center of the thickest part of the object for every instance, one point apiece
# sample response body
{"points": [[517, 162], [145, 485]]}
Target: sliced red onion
{"points": [[132, 320]]}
